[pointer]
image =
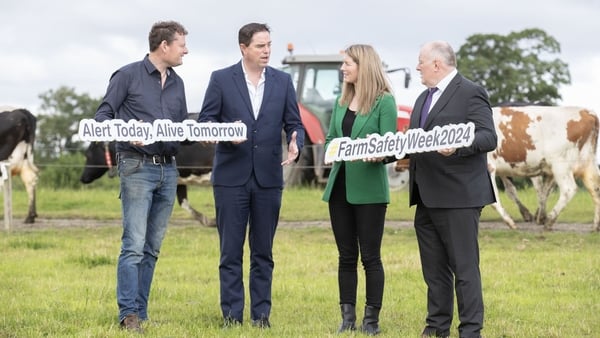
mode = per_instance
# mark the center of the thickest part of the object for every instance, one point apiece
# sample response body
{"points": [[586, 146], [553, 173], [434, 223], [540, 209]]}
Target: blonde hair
{"points": [[371, 82]]}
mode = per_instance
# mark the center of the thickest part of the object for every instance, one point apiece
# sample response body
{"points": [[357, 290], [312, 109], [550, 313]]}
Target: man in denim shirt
{"points": [[146, 90]]}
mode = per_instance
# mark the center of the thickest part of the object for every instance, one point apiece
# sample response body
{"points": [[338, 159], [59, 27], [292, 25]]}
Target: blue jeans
{"points": [[147, 196]]}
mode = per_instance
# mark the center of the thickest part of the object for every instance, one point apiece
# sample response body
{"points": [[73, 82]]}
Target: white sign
{"points": [[400, 144], [160, 130]]}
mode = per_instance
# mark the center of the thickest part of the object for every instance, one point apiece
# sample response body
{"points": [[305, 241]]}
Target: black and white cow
{"points": [[194, 162], [17, 136]]}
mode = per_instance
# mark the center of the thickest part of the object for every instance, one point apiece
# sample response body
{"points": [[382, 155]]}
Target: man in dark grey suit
{"points": [[247, 176], [450, 187]]}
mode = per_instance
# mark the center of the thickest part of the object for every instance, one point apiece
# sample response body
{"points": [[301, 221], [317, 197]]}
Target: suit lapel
{"points": [[359, 123], [339, 118], [242, 87], [361, 120], [416, 114], [443, 100], [269, 87]]}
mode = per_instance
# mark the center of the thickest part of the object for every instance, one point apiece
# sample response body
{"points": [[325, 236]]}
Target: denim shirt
{"points": [[135, 92]]}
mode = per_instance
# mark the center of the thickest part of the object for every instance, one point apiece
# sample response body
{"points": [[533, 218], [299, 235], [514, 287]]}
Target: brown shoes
{"points": [[131, 322]]}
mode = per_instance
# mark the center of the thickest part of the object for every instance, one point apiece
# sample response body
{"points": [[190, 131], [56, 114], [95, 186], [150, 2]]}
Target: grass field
{"points": [[299, 204], [60, 282]]}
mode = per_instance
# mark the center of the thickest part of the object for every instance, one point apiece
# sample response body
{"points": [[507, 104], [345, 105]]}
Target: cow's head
{"points": [[99, 158]]}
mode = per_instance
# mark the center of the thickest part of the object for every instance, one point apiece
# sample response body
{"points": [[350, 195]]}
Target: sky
{"points": [[79, 44]]}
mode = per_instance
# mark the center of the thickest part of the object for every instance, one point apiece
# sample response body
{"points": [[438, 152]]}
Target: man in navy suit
{"points": [[247, 176], [450, 187]]}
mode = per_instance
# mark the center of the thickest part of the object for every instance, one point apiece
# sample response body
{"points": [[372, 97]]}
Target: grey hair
{"points": [[443, 51]]}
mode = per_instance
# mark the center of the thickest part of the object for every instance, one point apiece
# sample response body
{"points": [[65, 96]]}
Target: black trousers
{"points": [[449, 252], [357, 228]]}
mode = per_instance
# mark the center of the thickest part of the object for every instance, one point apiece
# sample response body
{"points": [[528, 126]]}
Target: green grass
{"points": [[299, 204], [61, 283]]}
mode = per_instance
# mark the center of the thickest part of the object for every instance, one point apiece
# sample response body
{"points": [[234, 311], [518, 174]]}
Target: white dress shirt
{"points": [[256, 93]]}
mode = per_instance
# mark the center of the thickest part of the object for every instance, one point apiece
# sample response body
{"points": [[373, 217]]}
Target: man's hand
{"points": [[447, 151], [292, 150]]}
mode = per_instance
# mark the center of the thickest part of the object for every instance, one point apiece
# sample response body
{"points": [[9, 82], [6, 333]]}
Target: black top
{"points": [[347, 122]]}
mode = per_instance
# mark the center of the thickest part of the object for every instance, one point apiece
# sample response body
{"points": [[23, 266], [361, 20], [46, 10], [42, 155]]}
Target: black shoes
{"points": [[370, 324], [348, 318], [262, 323], [231, 322], [431, 332], [131, 322]]}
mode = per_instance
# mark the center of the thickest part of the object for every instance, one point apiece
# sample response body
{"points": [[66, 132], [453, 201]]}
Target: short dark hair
{"points": [[164, 31], [247, 32]]}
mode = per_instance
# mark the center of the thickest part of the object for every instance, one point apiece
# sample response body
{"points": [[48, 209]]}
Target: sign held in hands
{"points": [[160, 130], [399, 144]]}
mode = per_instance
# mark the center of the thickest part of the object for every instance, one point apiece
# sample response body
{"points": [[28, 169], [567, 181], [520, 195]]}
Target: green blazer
{"points": [[366, 182]]}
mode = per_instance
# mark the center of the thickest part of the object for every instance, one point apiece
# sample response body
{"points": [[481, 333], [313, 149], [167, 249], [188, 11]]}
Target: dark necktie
{"points": [[425, 110]]}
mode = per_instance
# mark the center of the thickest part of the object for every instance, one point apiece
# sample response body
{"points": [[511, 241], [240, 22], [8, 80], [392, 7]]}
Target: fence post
{"points": [[6, 176]]}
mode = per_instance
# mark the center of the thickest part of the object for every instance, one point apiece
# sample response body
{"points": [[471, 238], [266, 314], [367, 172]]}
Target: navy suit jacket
{"points": [[460, 180], [227, 100]]}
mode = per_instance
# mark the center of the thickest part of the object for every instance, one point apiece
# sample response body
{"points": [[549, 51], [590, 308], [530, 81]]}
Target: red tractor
{"points": [[318, 81]]}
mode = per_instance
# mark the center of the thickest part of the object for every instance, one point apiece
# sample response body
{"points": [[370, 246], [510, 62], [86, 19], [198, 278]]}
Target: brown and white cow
{"points": [[17, 136], [551, 145]]}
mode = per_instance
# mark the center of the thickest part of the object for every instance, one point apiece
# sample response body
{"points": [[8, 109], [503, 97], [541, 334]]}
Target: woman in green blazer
{"points": [[358, 191]]}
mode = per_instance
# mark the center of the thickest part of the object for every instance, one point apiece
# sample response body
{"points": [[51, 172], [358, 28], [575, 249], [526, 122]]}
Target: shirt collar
{"points": [[262, 75], [441, 86], [150, 68]]}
